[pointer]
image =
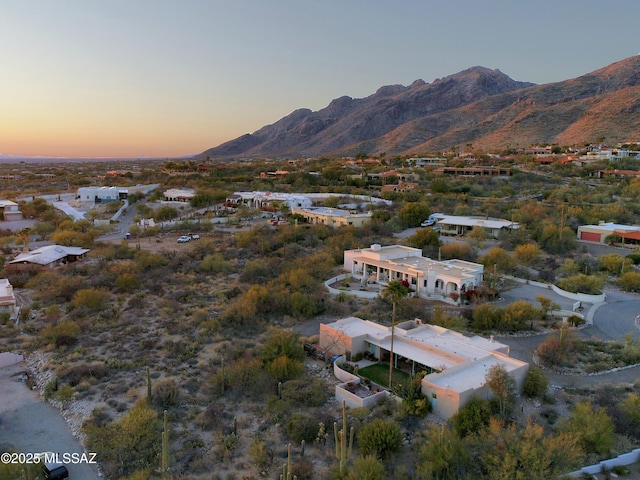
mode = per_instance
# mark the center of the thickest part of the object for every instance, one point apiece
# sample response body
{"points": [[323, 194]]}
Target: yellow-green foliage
{"points": [[68, 328]]}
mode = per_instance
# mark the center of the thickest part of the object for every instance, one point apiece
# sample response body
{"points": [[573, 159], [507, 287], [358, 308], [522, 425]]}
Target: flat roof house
{"points": [[334, 217], [426, 277], [630, 234], [10, 211], [183, 195], [50, 256], [102, 194], [456, 365], [458, 225], [7, 298]]}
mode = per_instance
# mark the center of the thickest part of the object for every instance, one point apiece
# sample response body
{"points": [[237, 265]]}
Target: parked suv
{"points": [[184, 239], [54, 471]]}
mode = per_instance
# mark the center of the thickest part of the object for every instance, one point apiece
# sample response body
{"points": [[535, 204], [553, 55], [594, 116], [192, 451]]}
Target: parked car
{"points": [[428, 223], [184, 239], [54, 471]]}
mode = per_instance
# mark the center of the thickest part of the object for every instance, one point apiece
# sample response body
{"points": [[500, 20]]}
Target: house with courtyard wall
{"points": [[334, 217], [426, 277], [456, 366]]}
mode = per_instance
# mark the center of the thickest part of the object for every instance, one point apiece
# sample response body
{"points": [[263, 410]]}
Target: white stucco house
{"points": [[426, 277], [456, 366], [102, 194], [10, 211], [459, 225], [8, 298]]}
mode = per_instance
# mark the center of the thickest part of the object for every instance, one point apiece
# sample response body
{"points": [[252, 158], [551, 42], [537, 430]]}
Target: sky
{"points": [[160, 78]]}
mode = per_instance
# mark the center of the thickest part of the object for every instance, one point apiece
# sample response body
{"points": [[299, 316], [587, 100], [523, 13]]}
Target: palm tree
{"points": [[394, 291]]}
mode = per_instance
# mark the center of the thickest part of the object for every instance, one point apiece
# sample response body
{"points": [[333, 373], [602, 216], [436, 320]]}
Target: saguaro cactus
{"points": [[342, 450], [286, 468], [165, 446], [149, 398]]}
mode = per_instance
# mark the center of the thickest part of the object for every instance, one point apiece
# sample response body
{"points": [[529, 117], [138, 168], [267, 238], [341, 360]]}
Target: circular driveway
{"points": [[617, 319]]}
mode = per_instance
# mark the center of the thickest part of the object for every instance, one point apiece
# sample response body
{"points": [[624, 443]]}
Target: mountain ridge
{"points": [[478, 105]]}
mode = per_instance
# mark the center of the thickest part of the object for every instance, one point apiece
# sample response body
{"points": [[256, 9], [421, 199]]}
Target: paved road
{"points": [[31, 425]]}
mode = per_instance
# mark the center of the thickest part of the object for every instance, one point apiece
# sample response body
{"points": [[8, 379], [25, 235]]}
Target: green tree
{"points": [[527, 254], [472, 418], [535, 383], [503, 387], [527, 454], [498, 259], [414, 213], [425, 237], [380, 437], [593, 429], [394, 291], [442, 456]]}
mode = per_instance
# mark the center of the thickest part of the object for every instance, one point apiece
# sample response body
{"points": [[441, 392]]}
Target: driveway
{"points": [[31, 425]]}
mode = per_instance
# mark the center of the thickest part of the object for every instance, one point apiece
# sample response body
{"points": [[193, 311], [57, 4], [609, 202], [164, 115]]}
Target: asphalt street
{"points": [[31, 425]]}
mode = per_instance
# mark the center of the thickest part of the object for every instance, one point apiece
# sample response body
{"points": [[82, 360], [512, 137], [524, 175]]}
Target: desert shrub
{"points": [[128, 282], [93, 299], [302, 469], [380, 437], [581, 283], [302, 426], [129, 444], [166, 393], [306, 392], [284, 368], [462, 251], [68, 329], [78, 373], [214, 263], [535, 383], [630, 282], [556, 350], [260, 453], [367, 467]]}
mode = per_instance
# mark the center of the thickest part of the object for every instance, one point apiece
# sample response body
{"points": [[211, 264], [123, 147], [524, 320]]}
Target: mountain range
{"points": [[477, 106]]}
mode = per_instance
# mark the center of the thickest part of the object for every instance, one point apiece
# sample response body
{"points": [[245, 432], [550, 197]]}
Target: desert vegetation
{"points": [[208, 332]]}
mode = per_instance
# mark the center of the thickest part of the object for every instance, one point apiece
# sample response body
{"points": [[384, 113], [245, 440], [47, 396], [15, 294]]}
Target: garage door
{"points": [[590, 237]]}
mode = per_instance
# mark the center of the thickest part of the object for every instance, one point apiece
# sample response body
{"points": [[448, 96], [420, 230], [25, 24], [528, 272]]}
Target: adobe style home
{"points": [[456, 365], [426, 278], [48, 257], [334, 217]]}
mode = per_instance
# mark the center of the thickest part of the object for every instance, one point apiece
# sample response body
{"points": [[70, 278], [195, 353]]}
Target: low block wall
{"points": [[8, 358], [624, 459]]}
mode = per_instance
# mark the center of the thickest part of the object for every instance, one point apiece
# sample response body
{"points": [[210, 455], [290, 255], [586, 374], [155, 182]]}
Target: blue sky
{"points": [[165, 78]]}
